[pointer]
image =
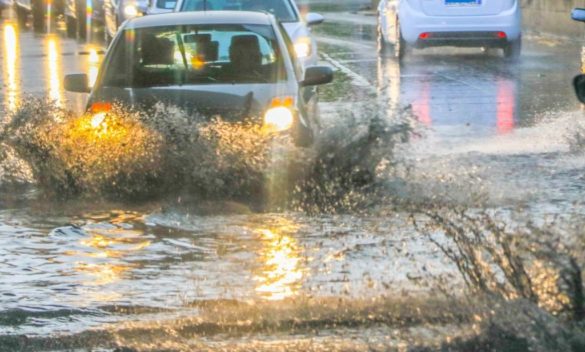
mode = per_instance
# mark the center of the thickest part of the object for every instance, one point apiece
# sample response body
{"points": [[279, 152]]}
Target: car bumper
{"points": [[473, 29]]}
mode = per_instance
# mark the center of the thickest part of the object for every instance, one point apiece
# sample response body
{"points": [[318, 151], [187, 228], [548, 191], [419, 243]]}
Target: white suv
{"points": [[468, 23]]}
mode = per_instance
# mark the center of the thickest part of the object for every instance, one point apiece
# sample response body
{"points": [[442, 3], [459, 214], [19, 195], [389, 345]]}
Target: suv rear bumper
{"points": [[462, 39], [413, 23]]}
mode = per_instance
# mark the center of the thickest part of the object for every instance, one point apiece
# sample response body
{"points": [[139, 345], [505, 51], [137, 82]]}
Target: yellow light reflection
{"points": [[282, 272], [94, 62], [389, 84], [54, 69], [103, 261], [11, 66]]}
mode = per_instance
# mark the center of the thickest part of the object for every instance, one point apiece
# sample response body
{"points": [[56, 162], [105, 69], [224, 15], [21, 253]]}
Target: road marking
{"points": [[346, 43], [357, 61], [356, 78]]}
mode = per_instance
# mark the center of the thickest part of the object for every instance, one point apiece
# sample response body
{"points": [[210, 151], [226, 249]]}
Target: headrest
{"points": [[247, 41]]}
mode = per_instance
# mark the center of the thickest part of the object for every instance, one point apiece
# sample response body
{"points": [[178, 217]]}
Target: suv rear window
{"points": [[206, 54], [281, 9]]}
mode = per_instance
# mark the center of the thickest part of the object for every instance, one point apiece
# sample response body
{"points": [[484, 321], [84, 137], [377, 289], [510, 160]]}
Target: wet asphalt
{"points": [[484, 127]]}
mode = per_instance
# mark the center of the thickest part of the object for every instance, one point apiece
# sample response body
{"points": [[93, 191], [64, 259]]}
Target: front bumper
{"points": [[473, 29]]}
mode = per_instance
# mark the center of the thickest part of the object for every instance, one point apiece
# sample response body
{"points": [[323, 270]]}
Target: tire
{"points": [[80, 10], [71, 25], [513, 50], [400, 46], [303, 137], [382, 45], [107, 38], [21, 16], [38, 13], [400, 49]]}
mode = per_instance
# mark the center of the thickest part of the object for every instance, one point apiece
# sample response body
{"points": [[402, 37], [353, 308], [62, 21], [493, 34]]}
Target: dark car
{"points": [[578, 14], [39, 10], [237, 65], [76, 16], [118, 11]]}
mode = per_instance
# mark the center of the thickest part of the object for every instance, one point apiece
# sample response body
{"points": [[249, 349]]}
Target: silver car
{"points": [[234, 64], [285, 11]]}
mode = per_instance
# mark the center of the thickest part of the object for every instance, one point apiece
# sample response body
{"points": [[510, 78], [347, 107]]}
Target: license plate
{"points": [[462, 2]]}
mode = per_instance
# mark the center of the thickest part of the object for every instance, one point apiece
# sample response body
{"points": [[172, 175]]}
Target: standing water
{"points": [[417, 222]]}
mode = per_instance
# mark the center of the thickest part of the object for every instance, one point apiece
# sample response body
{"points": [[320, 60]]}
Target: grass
{"points": [[339, 89], [366, 32]]}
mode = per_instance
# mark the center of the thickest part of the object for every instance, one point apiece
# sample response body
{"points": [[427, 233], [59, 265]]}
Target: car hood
{"points": [[296, 30], [231, 102]]}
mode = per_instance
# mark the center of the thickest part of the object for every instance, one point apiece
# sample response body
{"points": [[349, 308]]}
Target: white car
{"points": [[466, 23], [285, 11], [157, 7]]}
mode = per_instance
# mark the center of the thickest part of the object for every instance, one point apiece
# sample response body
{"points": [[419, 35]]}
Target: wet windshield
{"points": [[177, 55], [281, 9]]}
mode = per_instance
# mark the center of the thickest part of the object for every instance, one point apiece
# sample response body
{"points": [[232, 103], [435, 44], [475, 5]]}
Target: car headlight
{"points": [[303, 47], [279, 118], [98, 119], [131, 11]]}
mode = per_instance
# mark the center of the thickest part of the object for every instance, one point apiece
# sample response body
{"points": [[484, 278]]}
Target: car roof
{"points": [[200, 17]]}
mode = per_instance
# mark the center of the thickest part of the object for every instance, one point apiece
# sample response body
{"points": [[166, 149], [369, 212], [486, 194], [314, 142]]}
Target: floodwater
{"points": [[340, 269]]}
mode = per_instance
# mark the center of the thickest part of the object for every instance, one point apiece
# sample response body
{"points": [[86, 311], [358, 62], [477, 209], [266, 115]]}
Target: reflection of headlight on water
{"points": [[278, 118], [130, 11], [303, 48]]}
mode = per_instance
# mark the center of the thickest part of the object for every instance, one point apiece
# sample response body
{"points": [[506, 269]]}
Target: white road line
{"points": [[346, 43], [357, 61], [357, 79]]}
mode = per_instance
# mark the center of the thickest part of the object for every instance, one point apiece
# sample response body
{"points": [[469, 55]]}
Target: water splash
{"points": [[134, 155]]}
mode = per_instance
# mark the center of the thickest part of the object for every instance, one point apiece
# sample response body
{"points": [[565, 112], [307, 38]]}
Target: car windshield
{"points": [[204, 54], [281, 9]]}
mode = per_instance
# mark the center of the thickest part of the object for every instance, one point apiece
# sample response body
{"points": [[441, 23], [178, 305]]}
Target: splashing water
{"points": [[134, 155]]}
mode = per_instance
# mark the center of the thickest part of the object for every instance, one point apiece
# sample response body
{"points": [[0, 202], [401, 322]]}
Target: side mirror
{"points": [[317, 75], [578, 14], [77, 83], [314, 19], [579, 84]]}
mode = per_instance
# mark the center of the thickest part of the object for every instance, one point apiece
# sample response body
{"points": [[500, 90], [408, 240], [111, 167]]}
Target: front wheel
{"points": [[400, 48], [21, 16], [107, 37], [513, 49], [80, 10], [382, 45], [38, 13], [71, 24], [400, 45]]}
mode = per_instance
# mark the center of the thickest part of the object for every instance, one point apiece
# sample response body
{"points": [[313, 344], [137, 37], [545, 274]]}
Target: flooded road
{"points": [[182, 274]]}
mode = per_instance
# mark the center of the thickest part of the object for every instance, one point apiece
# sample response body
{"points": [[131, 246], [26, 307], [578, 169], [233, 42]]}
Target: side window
{"points": [[291, 50], [166, 4]]}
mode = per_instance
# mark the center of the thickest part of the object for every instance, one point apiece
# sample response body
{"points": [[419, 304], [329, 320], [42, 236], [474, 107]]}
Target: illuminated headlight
{"points": [[98, 119], [278, 118], [130, 11], [303, 47]]}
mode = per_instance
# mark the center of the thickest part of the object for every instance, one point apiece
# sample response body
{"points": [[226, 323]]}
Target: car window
{"points": [[291, 51], [203, 54], [166, 4], [281, 9]]}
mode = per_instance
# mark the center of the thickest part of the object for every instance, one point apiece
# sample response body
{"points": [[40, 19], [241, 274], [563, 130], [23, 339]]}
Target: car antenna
{"points": [[204, 5]]}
